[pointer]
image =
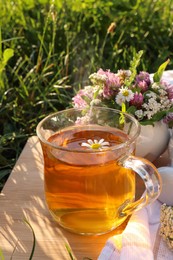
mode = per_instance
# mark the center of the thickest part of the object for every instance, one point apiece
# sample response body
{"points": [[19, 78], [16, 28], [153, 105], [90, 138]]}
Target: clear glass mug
{"points": [[90, 171]]}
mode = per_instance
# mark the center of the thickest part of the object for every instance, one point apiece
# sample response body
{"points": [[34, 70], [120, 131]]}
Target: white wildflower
{"points": [[97, 78], [155, 86], [162, 92], [119, 99], [95, 102], [139, 113], [124, 73], [82, 120], [151, 95], [165, 103], [148, 114], [124, 94], [88, 90], [96, 145], [151, 108]]}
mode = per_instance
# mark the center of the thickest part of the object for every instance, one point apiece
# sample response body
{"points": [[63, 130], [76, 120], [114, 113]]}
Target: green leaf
{"points": [[170, 110], [131, 110], [158, 116], [147, 122], [157, 76], [7, 54], [0, 44], [134, 3]]}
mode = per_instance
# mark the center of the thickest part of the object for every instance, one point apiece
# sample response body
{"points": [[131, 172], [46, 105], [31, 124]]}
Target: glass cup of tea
{"points": [[90, 170]]}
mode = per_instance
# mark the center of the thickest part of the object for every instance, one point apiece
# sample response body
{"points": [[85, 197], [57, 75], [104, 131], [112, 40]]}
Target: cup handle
{"points": [[151, 178]]}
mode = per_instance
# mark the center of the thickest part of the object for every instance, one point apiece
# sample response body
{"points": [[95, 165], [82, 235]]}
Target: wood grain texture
{"points": [[23, 198]]}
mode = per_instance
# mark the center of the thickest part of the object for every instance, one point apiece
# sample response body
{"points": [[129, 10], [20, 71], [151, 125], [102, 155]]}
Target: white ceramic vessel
{"points": [[166, 195], [153, 141]]}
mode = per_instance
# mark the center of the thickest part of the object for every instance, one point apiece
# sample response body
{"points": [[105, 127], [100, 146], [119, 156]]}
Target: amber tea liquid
{"points": [[87, 189]]}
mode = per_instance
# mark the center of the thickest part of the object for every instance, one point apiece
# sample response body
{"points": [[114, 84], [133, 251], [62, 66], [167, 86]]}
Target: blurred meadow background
{"points": [[49, 48]]}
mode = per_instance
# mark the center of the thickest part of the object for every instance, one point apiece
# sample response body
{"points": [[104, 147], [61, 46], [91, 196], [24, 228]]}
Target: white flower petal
{"points": [[86, 145], [95, 141], [103, 147], [101, 141], [90, 141], [105, 143]]}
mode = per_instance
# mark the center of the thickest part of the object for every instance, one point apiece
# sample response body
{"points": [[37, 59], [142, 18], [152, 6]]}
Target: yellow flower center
{"points": [[125, 93], [95, 146]]}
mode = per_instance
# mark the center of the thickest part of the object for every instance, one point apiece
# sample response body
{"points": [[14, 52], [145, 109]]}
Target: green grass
{"points": [[48, 49]]}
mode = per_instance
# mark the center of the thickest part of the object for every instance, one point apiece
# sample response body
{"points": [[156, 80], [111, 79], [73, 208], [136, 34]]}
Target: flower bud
{"points": [[111, 28]]}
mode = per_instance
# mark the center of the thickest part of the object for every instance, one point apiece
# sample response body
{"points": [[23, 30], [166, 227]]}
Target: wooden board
{"points": [[23, 198]]}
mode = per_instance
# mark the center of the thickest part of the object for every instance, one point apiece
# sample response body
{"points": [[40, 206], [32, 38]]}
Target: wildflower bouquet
{"points": [[148, 99]]}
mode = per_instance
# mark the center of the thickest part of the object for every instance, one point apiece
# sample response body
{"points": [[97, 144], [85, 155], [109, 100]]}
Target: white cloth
{"points": [[140, 240]]}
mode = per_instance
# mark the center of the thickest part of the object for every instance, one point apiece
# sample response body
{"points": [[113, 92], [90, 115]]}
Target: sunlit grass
{"points": [[56, 45]]}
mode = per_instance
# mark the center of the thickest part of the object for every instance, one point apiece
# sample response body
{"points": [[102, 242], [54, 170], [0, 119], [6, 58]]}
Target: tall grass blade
{"points": [[34, 239]]}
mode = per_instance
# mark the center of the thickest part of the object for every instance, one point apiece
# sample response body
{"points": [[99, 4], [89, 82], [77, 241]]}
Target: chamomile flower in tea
{"points": [[96, 145]]}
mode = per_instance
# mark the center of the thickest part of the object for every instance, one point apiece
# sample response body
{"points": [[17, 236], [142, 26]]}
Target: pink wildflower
{"points": [[123, 75], [143, 81], [111, 85], [169, 90], [108, 92], [113, 80], [143, 86], [143, 76], [78, 101], [137, 100], [168, 119]]}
